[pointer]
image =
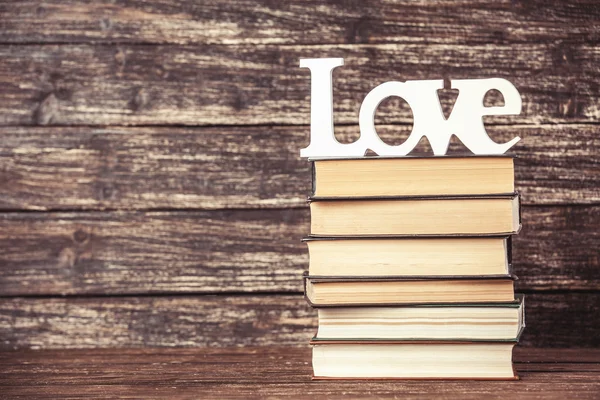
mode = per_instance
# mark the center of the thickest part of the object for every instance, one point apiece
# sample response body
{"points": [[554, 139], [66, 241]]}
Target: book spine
{"points": [[521, 318], [512, 195], [509, 253], [520, 207], [313, 174], [305, 283], [408, 278]]}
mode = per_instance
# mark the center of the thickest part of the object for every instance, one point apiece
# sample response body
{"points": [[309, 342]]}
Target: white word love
{"points": [[465, 121]]}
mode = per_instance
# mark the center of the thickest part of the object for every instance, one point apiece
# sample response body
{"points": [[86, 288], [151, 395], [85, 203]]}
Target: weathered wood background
{"points": [[151, 192]]}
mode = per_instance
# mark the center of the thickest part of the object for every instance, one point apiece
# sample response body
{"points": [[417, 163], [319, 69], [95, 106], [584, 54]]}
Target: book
{"points": [[413, 360], [408, 256], [333, 291], [478, 321], [489, 215], [412, 176]]}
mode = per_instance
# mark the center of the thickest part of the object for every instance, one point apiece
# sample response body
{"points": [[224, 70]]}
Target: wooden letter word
{"points": [[465, 122]]}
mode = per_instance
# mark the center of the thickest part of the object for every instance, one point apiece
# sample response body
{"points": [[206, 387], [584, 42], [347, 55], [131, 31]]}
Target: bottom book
{"points": [[413, 360]]}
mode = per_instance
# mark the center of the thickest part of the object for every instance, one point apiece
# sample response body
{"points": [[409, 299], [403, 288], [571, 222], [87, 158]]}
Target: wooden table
{"points": [[263, 372]]}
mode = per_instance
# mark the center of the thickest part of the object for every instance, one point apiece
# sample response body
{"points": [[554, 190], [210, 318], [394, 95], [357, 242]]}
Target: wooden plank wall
{"points": [[151, 191]]}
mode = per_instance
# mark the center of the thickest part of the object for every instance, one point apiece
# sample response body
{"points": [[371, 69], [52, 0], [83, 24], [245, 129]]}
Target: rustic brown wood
{"points": [[124, 252], [22, 367], [251, 84], [233, 67], [537, 386], [206, 321], [254, 167], [299, 21], [553, 320], [239, 250], [261, 372], [554, 245]]}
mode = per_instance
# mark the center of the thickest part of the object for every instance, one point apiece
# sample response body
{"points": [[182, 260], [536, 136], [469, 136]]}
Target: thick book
{"points": [[413, 360], [412, 176], [408, 256], [337, 291], [447, 215], [473, 322]]}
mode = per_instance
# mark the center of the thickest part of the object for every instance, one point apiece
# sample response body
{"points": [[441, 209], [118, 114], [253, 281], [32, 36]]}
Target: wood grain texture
{"points": [[258, 84], [124, 252], [53, 168], [298, 22], [268, 372], [542, 386], [239, 251], [553, 320], [206, 321], [218, 206]]}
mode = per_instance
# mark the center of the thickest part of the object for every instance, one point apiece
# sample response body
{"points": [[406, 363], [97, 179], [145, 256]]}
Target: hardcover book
{"points": [[409, 256], [413, 360], [337, 291], [458, 321], [447, 215], [412, 176]]}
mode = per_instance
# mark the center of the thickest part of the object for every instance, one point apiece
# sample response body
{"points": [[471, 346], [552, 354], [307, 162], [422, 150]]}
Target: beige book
{"points": [[330, 292], [433, 256], [477, 321], [413, 176], [493, 215], [413, 360]]}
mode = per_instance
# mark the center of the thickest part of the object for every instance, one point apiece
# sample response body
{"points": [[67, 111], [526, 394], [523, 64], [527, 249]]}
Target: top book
{"points": [[412, 176]]}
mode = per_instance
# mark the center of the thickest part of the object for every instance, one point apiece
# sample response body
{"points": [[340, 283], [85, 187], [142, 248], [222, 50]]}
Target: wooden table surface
{"points": [[268, 372]]}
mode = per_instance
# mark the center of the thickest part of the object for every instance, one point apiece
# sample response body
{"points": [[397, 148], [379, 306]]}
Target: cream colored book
{"points": [[353, 291], [490, 215], [408, 256], [476, 321], [414, 360], [413, 176]]}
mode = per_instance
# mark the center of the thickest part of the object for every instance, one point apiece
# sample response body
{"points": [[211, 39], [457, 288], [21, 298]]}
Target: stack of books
{"points": [[410, 267]]}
